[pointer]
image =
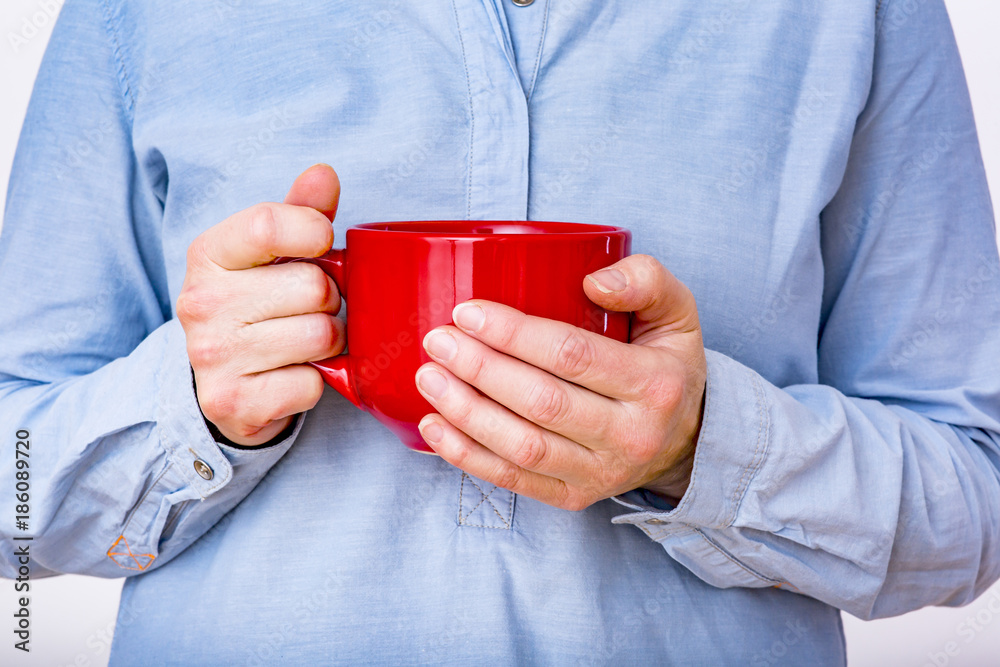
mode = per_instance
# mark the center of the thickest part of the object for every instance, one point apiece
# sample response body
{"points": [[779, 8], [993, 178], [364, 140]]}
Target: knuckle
{"points": [[219, 402], [614, 473], [647, 268], [204, 352], [578, 504], [185, 308], [548, 404], [318, 332], [507, 335], [506, 475], [284, 393], [465, 412], [316, 285], [338, 341], [262, 227], [312, 389], [666, 392], [246, 429], [531, 451], [573, 355], [476, 367], [644, 449], [460, 412], [461, 456], [574, 501], [196, 304]]}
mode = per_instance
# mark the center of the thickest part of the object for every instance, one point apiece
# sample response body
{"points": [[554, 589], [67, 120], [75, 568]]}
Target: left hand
{"points": [[564, 415]]}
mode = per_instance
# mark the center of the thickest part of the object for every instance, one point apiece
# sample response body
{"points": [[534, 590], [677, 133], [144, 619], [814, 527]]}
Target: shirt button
{"points": [[656, 522], [522, 3], [203, 470]]}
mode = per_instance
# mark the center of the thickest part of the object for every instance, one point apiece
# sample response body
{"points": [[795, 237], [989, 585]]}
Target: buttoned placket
{"points": [[499, 132], [497, 181]]}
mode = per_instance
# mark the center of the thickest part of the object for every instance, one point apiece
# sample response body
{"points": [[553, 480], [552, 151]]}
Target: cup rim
{"points": [[542, 228]]}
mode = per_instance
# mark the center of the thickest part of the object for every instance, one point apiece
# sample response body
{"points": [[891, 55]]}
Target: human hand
{"points": [[567, 416], [252, 326]]}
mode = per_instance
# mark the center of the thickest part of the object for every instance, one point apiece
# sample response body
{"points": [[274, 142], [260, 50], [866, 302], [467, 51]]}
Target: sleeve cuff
{"points": [[731, 448], [207, 465]]}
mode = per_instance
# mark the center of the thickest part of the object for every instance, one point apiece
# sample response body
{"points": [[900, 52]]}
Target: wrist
{"points": [[282, 435]]}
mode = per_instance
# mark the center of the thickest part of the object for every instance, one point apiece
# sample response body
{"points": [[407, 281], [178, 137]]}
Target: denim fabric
{"points": [[810, 170]]}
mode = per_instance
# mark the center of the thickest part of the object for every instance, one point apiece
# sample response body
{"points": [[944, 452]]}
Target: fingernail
{"points": [[440, 345], [432, 432], [433, 383], [609, 280], [469, 316]]}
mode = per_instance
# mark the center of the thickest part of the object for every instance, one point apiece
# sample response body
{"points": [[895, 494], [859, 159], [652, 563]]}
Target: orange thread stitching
{"points": [[128, 552]]}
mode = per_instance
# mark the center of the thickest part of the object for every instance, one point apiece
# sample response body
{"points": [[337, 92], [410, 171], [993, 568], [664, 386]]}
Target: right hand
{"points": [[252, 326]]}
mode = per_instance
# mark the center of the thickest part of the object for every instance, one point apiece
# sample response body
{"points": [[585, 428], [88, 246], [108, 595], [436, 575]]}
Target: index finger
{"points": [[585, 358], [262, 233]]}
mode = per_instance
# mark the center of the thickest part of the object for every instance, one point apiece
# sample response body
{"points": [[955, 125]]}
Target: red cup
{"points": [[402, 279]]}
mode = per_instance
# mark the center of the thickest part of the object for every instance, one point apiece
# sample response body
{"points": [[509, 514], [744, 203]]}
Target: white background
{"points": [[73, 617]]}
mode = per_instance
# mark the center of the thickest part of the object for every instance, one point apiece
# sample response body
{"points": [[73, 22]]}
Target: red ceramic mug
{"points": [[402, 279]]}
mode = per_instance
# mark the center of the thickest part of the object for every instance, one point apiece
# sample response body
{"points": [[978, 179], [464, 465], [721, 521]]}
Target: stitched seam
{"points": [[127, 97], [143, 498], [738, 491], [482, 525], [472, 113], [735, 562], [538, 56], [482, 498], [179, 507], [765, 415], [691, 497], [883, 6], [128, 552], [486, 497]]}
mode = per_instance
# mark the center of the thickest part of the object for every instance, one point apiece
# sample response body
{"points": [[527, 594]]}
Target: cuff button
{"points": [[655, 522], [203, 470]]}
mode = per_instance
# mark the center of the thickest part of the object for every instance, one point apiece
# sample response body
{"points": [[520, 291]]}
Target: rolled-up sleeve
{"points": [[876, 490], [122, 470]]}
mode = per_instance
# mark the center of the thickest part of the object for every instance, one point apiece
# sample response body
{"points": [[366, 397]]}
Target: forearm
{"points": [[869, 507], [112, 461]]}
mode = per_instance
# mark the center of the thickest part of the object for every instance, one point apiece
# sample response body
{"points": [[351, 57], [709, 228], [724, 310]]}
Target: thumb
{"points": [[317, 187], [639, 283]]}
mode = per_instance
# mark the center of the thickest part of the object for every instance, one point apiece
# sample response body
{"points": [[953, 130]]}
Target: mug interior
{"points": [[481, 227]]}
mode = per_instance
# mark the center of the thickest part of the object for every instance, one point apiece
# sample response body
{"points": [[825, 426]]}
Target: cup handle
{"points": [[336, 371]]}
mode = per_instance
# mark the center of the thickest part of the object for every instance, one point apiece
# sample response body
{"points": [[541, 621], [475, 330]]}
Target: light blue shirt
{"points": [[810, 170]]}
